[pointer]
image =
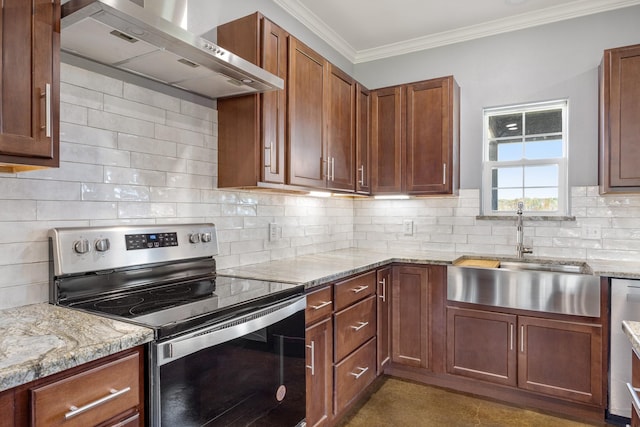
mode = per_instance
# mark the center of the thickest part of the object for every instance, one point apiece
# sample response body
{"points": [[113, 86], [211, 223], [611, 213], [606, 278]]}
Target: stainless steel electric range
{"points": [[227, 350]]}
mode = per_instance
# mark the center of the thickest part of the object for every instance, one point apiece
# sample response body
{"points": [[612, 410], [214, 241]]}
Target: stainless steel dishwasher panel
{"points": [[545, 291]]}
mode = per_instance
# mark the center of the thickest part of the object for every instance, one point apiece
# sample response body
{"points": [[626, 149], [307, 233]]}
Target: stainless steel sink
{"points": [[536, 285]]}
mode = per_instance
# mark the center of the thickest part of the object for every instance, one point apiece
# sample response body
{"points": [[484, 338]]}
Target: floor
{"points": [[404, 403]]}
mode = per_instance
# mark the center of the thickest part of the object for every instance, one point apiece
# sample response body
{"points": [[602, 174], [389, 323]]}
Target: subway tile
{"points": [[25, 210], [133, 110], [76, 210], [80, 77], [123, 175], [194, 124], [73, 114], [35, 189], [198, 209], [23, 274], [24, 253], [181, 136], [198, 111], [85, 135], [115, 192], [171, 194], [157, 163], [150, 97], [25, 294], [82, 97], [184, 180], [94, 155], [120, 123], [146, 210], [143, 144]]}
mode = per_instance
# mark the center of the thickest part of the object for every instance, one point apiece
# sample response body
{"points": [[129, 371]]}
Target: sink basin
{"points": [[577, 268], [551, 286]]}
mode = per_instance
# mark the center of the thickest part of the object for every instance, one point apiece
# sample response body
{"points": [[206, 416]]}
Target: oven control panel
{"points": [[90, 249], [150, 240]]}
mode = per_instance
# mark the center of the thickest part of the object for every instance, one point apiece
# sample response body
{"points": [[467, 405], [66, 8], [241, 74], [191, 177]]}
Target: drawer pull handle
{"points": [[75, 411], [312, 347], [634, 395], [383, 283], [360, 326], [359, 289], [359, 374], [322, 304]]}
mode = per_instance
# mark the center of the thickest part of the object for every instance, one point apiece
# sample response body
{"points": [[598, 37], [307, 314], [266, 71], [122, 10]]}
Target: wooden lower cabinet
{"points": [[560, 358], [354, 326], [384, 278], [409, 316], [319, 378], [482, 345], [354, 374], [7, 408]]}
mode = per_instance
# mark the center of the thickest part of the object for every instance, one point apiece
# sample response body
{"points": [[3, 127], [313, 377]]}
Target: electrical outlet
{"points": [[407, 227], [591, 232], [273, 232]]}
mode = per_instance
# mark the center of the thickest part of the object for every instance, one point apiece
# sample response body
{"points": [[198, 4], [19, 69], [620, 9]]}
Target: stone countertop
{"points": [[42, 339], [325, 267], [632, 330]]}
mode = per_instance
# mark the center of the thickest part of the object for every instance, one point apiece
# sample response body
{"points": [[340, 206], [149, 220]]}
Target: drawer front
{"points": [[319, 305], [354, 374], [90, 397], [354, 289], [354, 326]]}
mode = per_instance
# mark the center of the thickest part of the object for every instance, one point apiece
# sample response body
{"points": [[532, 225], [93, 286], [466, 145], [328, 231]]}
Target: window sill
{"points": [[526, 217]]}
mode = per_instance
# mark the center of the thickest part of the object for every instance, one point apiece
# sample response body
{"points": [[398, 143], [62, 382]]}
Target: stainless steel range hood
{"points": [[124, 35]]}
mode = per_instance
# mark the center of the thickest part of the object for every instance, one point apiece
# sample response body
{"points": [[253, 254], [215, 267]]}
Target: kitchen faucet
{"points": [[520, 248]]}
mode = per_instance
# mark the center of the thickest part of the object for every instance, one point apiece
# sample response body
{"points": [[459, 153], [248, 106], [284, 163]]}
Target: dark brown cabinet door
{"points": [[559, 358], [341, 132], [409, 316], [252, 128], [384, 278], [29, 84], [363, 140], [620, 120], [307, 89], [429, 136], [319, 341], [482, 345], [386, 140]]}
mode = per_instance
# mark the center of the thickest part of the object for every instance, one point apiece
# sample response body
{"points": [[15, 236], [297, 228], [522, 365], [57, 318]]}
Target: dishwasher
{"points": [[625, 305]]}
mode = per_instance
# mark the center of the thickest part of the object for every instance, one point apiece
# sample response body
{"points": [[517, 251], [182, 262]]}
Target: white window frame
{"points": [[562, 163]]}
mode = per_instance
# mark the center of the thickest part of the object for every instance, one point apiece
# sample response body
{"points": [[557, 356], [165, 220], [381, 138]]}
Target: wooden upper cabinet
{"points": [[430, 135], [363, 140], [252, 128], [308, 73], [387, 114], [415, 138], [341, 131], [29, 84], [620, 120]]}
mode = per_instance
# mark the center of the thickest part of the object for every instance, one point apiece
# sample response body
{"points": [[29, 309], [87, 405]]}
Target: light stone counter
{"points": [[42, 339], [632, 330]]}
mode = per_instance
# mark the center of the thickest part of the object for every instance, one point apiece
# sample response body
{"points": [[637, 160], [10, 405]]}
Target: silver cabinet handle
{"points": [[359, 374], [444, 174], [323, 304], [75, 411], [360, 326], [47, 110], [361, 170], [333, 169], [267, 148], [383, 282], [511, 336], [359, 289], [522, 339], [312, 347], [634, 395]]}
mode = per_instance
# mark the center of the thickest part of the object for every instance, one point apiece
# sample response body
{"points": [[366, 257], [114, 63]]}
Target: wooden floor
{"points": [[402, 403]]}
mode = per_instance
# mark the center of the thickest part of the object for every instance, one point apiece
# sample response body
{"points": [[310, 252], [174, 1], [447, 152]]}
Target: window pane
{"points": [[505, 125], [543, 147], [541, 199], [507, 177], [505, 150], [549, 121], [507, 199], [541, 176]]}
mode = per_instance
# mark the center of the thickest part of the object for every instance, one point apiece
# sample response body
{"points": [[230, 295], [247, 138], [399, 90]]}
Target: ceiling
{"points": [[365, 30]]}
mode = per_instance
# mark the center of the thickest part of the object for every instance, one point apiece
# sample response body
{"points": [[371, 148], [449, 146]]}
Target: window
{"points": [[525, 159]]}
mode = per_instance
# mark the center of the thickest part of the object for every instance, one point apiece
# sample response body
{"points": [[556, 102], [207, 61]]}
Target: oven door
{"points": [[249, 370]]}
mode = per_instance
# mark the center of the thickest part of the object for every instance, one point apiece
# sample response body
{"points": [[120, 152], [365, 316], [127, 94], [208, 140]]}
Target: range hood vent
{"points": [[121, 34]]}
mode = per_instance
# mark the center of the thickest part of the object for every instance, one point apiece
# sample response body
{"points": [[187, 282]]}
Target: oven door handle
{"points": [[236, 327]]}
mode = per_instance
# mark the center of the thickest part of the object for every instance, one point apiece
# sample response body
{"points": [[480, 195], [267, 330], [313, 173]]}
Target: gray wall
{"points": [[553, 61]]}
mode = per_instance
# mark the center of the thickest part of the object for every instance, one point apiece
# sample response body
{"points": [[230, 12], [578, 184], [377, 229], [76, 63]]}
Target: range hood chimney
{"points": [[127, 36]]}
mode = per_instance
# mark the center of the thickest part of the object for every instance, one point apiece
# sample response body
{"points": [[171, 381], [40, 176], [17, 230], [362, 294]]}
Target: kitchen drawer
{"points": [[354, 289], [319, 305], [105, 391], [354, 326], [354, 374]]}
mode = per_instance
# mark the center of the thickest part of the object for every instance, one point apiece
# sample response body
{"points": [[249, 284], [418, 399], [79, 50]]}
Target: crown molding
{"points": [[548, 15]]}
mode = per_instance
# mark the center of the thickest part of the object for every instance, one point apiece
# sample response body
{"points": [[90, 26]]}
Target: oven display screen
{"points": [[150, 241]]}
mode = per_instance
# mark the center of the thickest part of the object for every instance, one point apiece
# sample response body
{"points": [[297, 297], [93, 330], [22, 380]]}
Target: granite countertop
{"points": [[632, 330], [42, 339], [325, 267]]}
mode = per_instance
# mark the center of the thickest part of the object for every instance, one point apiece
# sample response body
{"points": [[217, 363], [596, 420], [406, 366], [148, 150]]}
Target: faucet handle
{"points": [[520, 205]]}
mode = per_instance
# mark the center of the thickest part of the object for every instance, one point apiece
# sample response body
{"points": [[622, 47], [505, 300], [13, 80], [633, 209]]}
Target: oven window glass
{"points": [[257, 379]]}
